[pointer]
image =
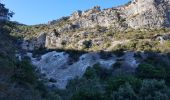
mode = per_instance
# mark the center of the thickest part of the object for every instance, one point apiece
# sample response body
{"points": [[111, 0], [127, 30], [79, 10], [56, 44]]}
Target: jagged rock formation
{"points": [[148, 13], [139, 14]]}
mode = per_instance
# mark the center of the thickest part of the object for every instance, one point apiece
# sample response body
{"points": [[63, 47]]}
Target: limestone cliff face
{"points": [[95, 16], [138, 14], [148, 14], [72, 31], [35, 43]]}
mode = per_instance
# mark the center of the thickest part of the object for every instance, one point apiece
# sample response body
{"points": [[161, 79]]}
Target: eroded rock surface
{"points": [[139, 14], [56, 68]]}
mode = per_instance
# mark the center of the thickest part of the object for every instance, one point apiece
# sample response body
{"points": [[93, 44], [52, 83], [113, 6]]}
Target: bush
{"points": [[97, 72], [146, 70], [153, 90], [125, 92], [90, 73], [24, 73], [115, 82], [87, 44], [88, 95], [149, 90]]}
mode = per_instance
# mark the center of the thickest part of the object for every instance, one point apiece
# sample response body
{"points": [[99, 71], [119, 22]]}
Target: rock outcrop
{"points": [[138, 14], [144, 14], [57, 69], [35, 43], [148, 14]]}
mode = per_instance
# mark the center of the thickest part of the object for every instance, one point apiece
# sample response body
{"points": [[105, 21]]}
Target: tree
{"points": [[125, 92], [5, 13], [153, 90]]}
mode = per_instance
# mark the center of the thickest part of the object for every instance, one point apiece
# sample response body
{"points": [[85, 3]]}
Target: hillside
{"points": [[101, 29], [110, 54]]}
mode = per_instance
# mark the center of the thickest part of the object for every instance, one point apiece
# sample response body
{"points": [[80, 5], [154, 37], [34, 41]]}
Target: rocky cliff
{"points": [[141, 25], [137, 14], [148, 14], [110, 54], [87, 28]]}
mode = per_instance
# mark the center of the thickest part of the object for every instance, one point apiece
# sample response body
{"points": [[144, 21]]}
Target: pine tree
{"points": [[5, 13]]}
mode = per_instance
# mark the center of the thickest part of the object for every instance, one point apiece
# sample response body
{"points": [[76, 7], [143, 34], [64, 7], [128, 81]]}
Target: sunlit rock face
{"points": [[148, 13], [57, 68], [137, 14], [35, 43]]}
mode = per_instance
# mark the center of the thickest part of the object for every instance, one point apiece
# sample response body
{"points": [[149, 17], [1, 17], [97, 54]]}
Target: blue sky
{"points": [[41, 11]]}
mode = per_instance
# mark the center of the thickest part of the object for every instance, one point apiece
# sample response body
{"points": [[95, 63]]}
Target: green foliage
{"points": [[88, 95], [153, 90], [149, 90], [115, 82], [87, 44], [98, 84], [24, 73], [97, 72], [125, 92], [84, 89], [4, 12], [146, 70], [90, 73]]}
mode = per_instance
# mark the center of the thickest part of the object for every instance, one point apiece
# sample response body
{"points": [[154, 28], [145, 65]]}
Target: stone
{"points": [[143, 14], [35, 43], [138, 14], [56, 68]]}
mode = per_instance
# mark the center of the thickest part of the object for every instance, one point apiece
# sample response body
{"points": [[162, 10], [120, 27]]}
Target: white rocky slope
{"points": [[55, 66]]}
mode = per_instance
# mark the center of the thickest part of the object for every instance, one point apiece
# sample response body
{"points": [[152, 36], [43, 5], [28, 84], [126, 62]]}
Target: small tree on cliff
{"points": [[5, 13]]}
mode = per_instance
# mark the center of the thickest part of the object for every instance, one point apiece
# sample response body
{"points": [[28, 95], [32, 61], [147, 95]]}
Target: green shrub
{"points": [[125, 92], [87, 95], [87, 44], [149, 90], [97, 72], [90, 73], [115, 82], [146, 70], [153, 90], [24, 73]]}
